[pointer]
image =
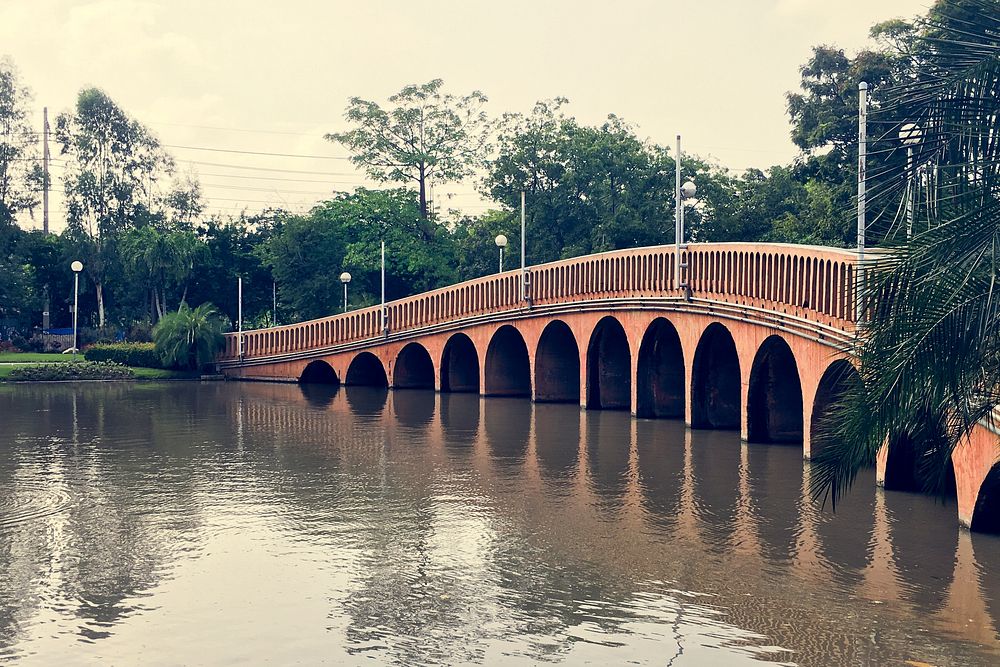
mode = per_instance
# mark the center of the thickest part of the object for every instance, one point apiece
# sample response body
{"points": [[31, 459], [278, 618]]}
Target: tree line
{"points": [[140, 228]]}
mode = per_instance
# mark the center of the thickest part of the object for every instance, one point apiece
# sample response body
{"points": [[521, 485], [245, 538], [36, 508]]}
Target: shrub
{"points": [[128, 354], [76, 370], [189, 338]]}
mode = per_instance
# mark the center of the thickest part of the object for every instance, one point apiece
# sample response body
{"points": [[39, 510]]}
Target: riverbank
{"points": [[11, 361]]}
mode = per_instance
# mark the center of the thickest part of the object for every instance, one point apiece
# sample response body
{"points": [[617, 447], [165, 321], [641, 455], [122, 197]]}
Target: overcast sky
{"points": [[274, 76]]}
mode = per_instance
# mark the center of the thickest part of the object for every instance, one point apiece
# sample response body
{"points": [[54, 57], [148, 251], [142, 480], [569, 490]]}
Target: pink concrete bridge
{"points": [[758, 341]]}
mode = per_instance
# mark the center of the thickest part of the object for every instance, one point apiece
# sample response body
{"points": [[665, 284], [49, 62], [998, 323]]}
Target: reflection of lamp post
{"points": [[345, 278], [911, 135], [501, 242], [77, 267]]}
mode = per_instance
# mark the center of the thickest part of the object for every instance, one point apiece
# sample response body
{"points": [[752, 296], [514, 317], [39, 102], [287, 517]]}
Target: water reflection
{"points": [[715, 465], [451, 529]]}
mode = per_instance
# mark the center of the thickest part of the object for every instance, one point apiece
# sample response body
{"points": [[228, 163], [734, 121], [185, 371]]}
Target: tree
{"points": [[929, 347], [425, 135], [344, 233], [189, 339], [114, 167], [20, 174]]}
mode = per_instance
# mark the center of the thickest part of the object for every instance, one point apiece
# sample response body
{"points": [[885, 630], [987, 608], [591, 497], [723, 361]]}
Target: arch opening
{"points": [[774, 399], [838, 379], [557, 365], [460, 365], [508, 370], [413, 368], [319, 372], [986, 515], [609, 367], [715, 381], [366, 371], [907, 465], [660, 373]]}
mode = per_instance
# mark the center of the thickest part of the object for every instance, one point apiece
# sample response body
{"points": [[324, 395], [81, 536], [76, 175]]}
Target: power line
{"points": [[230, 150]]}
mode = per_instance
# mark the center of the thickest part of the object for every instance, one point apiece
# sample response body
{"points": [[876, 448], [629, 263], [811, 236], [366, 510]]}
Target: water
{"points": [[234, 523]]}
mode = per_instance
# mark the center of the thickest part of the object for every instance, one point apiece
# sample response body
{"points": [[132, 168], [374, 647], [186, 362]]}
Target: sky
{"points": [[274, 77]]}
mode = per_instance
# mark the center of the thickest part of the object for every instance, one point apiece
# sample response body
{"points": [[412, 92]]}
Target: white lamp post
{"points": [[77, 267], [345, 278], [501, 242], [911, 135], [683, 192]]}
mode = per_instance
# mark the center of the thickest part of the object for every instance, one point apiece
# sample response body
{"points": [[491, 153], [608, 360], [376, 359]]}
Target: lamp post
{"points": [[682, 192], [501, 242], [862, 196], [345, 278], [77, 267], [911, 135]]}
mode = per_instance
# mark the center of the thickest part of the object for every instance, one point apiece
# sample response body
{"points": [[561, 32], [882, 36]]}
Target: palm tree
{"points": [[929, 346], [189, 338]]}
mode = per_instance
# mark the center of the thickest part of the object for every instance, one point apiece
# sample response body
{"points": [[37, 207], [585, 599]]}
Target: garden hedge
{"points": [[128, 354]]}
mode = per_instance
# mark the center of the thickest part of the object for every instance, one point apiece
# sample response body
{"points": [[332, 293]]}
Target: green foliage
{"points": [[928, 349], [425, 135], [20, 173], [309, 252], [189, 339], [78, 370], [127, 354]]}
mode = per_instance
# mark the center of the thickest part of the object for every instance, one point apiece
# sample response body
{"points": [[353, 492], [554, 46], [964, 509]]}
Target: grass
{"points": [[140, 373], [35, 357]]}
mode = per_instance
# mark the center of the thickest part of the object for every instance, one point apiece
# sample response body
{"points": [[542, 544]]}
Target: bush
{"points": [[76, 370], [128, 354], [189, 339]]}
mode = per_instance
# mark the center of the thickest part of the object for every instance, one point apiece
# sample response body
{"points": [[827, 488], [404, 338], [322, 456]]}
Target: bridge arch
{"points": [[902, 463], [366, 370], [318, 371], [508, 369], [557, 365], [460, 365], [837, 380], [986, 515], [660, 372], [715, 381], [609, 367], [413, 368], [774, 397]]}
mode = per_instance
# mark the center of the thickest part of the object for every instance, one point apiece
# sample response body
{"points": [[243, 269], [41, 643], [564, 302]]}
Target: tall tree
{"points": [[112, 178], [424, 135], [20, 174]]}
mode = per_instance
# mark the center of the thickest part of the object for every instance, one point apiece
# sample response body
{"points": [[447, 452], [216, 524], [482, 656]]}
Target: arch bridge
{"points": [[757, 340]]}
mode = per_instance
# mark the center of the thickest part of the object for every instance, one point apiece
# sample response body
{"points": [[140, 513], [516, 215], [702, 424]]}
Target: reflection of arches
{"points": [[366, 370], [986, 515], [775, 486], [845, 534], [609, 367], [608, 457], [715, 466], [715, 381], [318, 395], [557, 441], [460, 365], [507, 367], [660, 464], [774, 399], [839, 378], [319, 372], [460, 420], [413, 369], [507, 425], [660, 374], [557, 365], [413, 408]]}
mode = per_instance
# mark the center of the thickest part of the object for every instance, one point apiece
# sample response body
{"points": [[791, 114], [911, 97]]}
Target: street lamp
{"points": [[501, 242], [345, 278], [682, 193], [911, 135], [77, 267]]}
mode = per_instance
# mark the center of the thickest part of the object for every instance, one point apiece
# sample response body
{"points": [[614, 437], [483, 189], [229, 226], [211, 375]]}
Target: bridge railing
{"points": [[810, 282]]}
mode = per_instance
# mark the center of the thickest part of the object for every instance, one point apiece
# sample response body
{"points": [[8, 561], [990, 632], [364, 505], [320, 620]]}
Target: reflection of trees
{"points": [[118, 452]]}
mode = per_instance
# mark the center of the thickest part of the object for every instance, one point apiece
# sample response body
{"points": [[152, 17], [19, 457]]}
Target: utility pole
{"points": [[859, 274], [45, 170]]}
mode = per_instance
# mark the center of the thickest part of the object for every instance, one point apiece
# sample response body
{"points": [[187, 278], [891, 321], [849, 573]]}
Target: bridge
{"points": [[754, 337]]}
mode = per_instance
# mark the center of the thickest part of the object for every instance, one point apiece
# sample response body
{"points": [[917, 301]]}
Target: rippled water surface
{"points": [[248, 523]]}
